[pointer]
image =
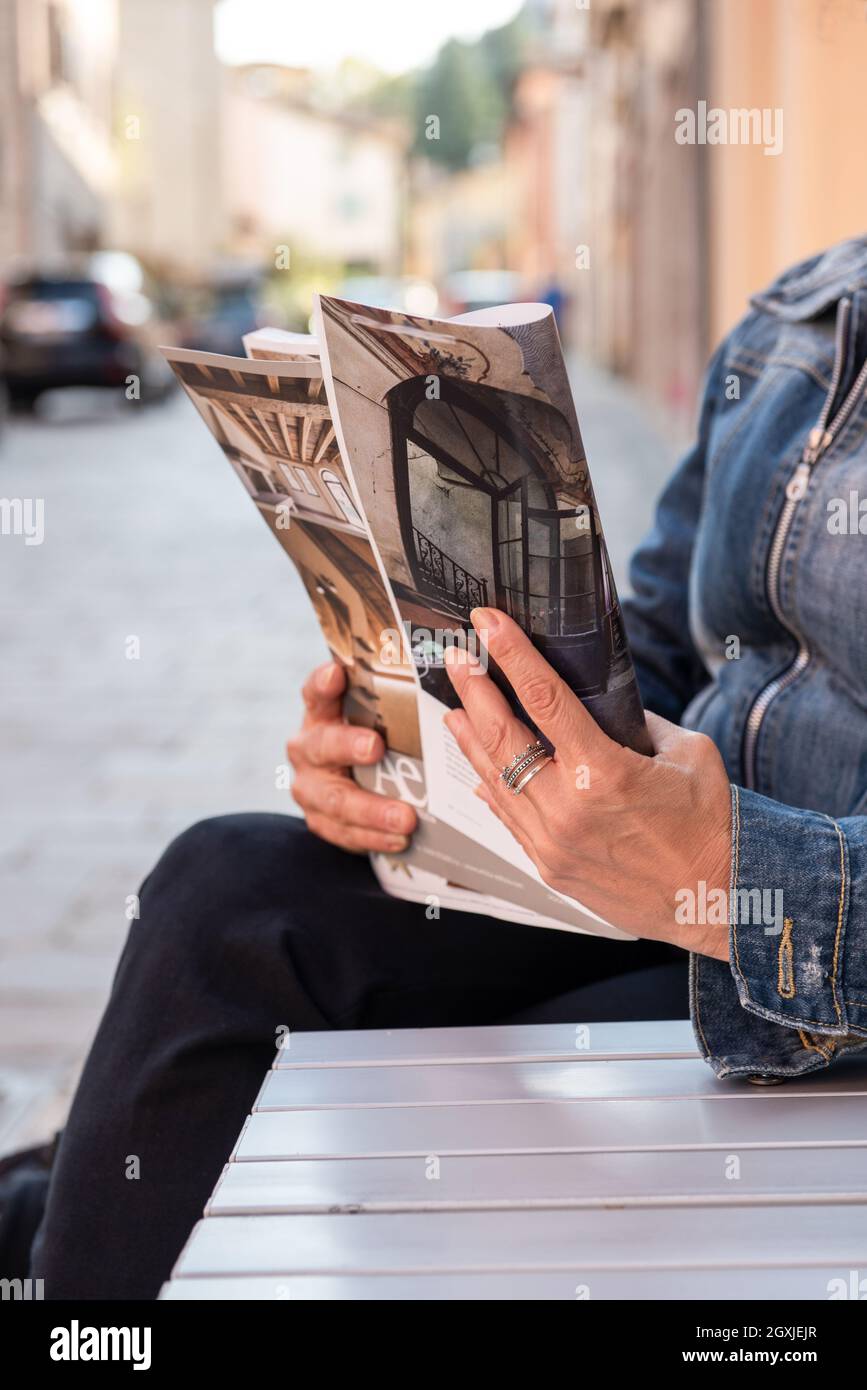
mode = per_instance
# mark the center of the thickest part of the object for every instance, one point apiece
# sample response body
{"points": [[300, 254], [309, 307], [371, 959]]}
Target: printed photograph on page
{"points": [[274, 427], [466, 454]]}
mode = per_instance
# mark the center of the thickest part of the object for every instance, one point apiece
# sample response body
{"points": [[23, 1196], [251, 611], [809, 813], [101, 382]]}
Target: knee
{"points": [[224, 862]]}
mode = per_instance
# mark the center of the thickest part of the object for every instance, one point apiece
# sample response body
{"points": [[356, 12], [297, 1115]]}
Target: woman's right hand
{"points": [[334, 806]]}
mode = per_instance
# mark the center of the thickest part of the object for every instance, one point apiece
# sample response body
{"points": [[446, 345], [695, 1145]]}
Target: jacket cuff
{"points": [[788, 910]]}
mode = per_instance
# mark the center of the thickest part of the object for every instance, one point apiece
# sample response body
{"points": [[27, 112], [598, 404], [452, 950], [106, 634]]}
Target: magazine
{"points": [[414, 469]]}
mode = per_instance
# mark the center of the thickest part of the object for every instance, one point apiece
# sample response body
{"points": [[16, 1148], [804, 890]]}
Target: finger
{"points": [[339, 799], [355, 839], [493, 727], [335, 745], [323, 692], [544, 695], [499, 732], [458, 722]]}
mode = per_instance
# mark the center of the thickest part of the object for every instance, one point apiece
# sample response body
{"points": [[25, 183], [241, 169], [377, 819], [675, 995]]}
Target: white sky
{"points": [[392, 34]]}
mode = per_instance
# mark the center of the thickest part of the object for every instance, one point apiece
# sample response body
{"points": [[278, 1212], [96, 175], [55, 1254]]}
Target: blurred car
{"points": [[465, 291], [221, 314], [70, 328], [4, 403]]}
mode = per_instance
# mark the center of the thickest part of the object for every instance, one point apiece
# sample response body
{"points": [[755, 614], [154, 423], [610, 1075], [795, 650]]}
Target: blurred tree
{"points": [[461, 91], [468, 87]]}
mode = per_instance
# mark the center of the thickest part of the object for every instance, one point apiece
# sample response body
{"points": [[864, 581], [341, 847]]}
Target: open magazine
{"points": [[414, 469]]}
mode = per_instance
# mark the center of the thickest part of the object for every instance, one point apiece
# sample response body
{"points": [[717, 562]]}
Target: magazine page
{"points": [[279, 345], [465, 454], [274, 426], [465, 451]]}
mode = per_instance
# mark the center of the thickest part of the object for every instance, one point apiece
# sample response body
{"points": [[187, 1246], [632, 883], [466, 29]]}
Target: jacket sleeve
{"points": [[798, 915], [793, 995], [668, 667]]}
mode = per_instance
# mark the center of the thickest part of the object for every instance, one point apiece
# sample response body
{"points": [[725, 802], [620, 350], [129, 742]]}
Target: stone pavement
{"points": [[103, 758]]}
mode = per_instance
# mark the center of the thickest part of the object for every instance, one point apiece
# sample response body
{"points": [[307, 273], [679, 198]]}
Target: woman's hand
{"points": [[322, 754], [620, 832]]}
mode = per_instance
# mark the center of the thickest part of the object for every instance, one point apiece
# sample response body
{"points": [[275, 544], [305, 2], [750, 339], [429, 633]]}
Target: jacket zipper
{"points": [[820, 439]]}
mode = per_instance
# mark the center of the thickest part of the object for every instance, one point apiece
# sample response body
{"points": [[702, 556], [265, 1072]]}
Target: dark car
{"points": [[221, 314], [72, 330]]}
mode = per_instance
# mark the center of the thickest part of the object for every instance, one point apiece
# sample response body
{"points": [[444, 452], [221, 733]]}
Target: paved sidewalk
{"points": [[102, 758]]}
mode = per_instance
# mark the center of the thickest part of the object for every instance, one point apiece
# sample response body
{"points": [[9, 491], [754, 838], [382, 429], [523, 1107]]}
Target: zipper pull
{"points": [[797, 484], [817, 443]]}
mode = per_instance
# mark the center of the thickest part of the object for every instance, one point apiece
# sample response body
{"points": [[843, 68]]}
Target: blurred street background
{"points": [[182, 171]]}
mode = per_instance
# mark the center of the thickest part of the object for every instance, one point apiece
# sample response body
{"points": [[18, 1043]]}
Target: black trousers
{"points": [[250, 925]]}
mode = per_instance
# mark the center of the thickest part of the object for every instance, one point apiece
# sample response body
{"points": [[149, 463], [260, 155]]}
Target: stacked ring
{"points": [[524, 766]]}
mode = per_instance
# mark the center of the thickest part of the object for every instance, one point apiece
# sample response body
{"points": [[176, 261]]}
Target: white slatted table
{"points": [[507, 1163]]}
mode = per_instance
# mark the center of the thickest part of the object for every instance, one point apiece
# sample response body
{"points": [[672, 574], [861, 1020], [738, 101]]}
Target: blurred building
{"points": [[679, 235], [638, 302], [808, 58], [57, 162], [169, 200], [110, 130], [652, 247], [591, 202], [609, 207], [325, 183], [461, 220]]}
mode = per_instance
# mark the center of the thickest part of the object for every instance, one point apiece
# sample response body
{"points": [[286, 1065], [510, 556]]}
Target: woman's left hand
{"points": [[620, 832]]}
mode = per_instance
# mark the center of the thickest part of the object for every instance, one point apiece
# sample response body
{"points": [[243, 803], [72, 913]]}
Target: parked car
{"points": [[4, 403], [71, 328], [222, 312]]}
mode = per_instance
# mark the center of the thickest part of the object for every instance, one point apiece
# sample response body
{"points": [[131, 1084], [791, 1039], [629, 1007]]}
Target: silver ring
{"points": [[513, 772], [528, 776]]}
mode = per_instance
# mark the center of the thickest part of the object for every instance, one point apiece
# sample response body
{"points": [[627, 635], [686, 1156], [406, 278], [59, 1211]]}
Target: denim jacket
{"points": [[749, 623]]}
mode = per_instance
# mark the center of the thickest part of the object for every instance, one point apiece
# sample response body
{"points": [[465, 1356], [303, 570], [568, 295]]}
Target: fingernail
{"points": [[325, 677], [485, 619], [364, 745], [397, 843], [394, 817]]}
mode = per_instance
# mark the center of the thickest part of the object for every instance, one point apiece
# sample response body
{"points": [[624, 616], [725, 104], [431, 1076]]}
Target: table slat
{"points": [[536, 1180], [553, 1126], [403, 1046], [474, 1241], [774, 1283], [495, 1082]]}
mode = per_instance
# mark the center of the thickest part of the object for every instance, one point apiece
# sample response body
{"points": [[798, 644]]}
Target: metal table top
{"points": [[540, 1162]]}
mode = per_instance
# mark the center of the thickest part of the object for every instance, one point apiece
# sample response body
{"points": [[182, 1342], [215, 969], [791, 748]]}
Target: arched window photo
{"points": [[486, 517]]}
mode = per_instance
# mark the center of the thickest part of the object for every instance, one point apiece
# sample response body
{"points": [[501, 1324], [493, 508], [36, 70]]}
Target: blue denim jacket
{"points": [[749, 623]]}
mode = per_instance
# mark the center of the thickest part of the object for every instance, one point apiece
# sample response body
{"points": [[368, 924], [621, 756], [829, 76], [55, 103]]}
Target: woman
{"points": [[751, 650]]}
